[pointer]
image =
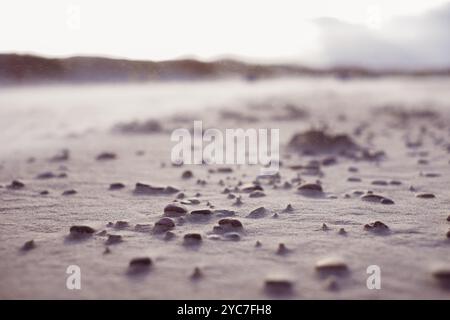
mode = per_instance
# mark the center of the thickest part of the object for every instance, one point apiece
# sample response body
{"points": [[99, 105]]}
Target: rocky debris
{"points": [[175, 210], [146, 189], [181, 195], [192, 239], [377, 226], [121, 224], [139, 265], [278, 285], [46, 175], [370, 197], [228, 225], [114, 239], [333, 265], [196, 274], [70, 192], [448, 234], [116, 186], [78, 232], [425, 195], [260, 212], [288, 208], [310, 189], [44, 192], [282, 249], [16, 185], [257, 194], [187, 174], [106, 156], [248, 188], [318, 141], [29, 245], [163, 225]]}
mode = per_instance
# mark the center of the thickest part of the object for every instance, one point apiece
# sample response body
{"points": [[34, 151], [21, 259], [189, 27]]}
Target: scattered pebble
{"points": [[370, 197], [342, 231], [278, 285], [44, 192], [325, 227], [197, 274], [354, 179], [379, 183], [29, 245], [310, 189], [187, 174], [175, 210], [192, 239], [169, 235], [258, 213], [425, 195], [232, 236], [106, 156], [139, 265], [248, 188], [121, 224], [257, 194], [15, 185], [163, 225], [69, 192], [116, 186], [282, 249], [288, 208], [114, 239], [334, 265], [202, 212], [46, 175], [258, 244], [78, 232], [146, 189], [377, 226]]}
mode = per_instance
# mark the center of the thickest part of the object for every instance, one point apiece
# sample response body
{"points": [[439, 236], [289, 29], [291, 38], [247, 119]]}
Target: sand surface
{"points": [[407, 119]]}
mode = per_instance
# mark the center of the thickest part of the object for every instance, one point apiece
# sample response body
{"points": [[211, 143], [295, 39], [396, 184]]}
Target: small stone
{"points": [[187, 174], [121, 224], [448, 218], [202, 212], [257, 194], [102, 233], [224, 213], [107, 251], [352, 169], [257, 213], [395, 183], [376, 226], [81, 231], [146, 189], [353, 179], [163, 225], [426, 195], [288, 208], [29, 245], [181, 195], [387, 201], [325, 227], [342, 231], [44, 192], [258, 244], [69, 192], [230, 223], [224, 170], [238, 201], [175, 210], [169, 235], [275, 215], [331, 265], [278, 285], [379, 183], [441, 273], [114, 239], [287, 185], [116, 186], [448, 234], [192, 239], [106, 156], [15, 185], [197, 274], [232, 236], [231, 196], [282, 249], [138, 265], [46, 175], [248, 188]]}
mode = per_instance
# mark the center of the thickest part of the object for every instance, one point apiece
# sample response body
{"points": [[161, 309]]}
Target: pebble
{"points": [[163, 225], [46, 175], [114, 239], [232, 236], [224, 213], [175, 210], [448, 234], [325, 227], [231, 196], [107, 251], [64, 155], [106, 156], [81, 231], [257, 194], [229, 223], [44, 193], [331, 265], [287, 185], [29, 245], [116, 186], [138, 265], [224, 170], [146, 189], [448, 218], [282, 249], [395, 183], [238, 201], [192, 239], [121, 224], [376, 226], [169, 235], [310, 189], [187, 174], [288, 208], [379, 183], [69, 192], [352, 169], [251, 187], [257, 213], [197, 274], [181, 195], [278, 285], [258, 244], [15, 185], [202, 212], [441, 273], [370, 197], [354, 179], [426, 195], [342, 231]]}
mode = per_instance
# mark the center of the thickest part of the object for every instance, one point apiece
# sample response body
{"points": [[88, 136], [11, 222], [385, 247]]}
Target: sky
{"points": [[375, 33]]}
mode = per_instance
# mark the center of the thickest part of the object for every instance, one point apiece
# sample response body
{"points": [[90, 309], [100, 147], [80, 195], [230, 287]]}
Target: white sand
{"points": [[39, 122]]}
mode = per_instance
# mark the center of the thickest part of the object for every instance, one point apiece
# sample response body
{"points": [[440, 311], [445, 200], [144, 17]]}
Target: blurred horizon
{"points": [[400, 35]]}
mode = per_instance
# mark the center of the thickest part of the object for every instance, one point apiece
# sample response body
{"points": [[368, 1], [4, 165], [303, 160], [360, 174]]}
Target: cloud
{"points": [[414, 42]]}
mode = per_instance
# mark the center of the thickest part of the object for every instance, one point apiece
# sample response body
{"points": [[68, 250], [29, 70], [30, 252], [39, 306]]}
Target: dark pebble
{"points": [[15, 185], [175, 210], [163, 225], [376, 226], [106, 156], [29, 245], [69, 192], [187, 174], [426, 195], [192, 238], [116, 186]]}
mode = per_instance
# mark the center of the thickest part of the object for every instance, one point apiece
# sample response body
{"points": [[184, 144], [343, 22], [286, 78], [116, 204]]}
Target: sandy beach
{"points": [[364, 180]]}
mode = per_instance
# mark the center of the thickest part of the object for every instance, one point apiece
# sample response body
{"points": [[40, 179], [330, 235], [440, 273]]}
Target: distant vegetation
{"points": [[22, 69]]}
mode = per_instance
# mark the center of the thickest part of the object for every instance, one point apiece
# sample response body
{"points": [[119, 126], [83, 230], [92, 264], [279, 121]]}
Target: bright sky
{"points": [[165, 29]]}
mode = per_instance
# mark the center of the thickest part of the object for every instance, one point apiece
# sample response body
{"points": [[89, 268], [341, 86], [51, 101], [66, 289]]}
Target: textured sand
{"points": [[38, 124]]}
